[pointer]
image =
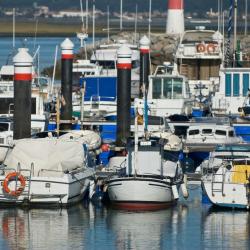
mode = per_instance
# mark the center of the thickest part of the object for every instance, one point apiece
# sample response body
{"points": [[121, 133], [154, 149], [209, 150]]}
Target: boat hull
{"points": [[233, 195], [140, 193], [56, 191]]}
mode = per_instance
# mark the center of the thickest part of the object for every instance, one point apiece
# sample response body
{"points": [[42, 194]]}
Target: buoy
{"points": [[175, 192], [184, 187]]}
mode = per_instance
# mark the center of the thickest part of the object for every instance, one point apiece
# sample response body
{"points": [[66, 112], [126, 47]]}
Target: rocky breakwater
{"points": [[162, 48]]}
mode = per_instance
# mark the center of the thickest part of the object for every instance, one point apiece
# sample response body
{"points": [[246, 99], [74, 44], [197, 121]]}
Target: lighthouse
{"points": [[175, 20]]}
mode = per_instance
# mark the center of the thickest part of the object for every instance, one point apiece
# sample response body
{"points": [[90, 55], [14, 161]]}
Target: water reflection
{"points": [[226, 229], [189, 225]]}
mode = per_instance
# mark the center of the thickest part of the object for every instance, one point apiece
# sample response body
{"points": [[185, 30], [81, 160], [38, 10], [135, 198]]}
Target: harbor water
{"points": [[190, 224], [47, 48], [187, 225]]}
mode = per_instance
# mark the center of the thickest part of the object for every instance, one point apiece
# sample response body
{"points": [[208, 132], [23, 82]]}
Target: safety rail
{"points": [[19, 170]]}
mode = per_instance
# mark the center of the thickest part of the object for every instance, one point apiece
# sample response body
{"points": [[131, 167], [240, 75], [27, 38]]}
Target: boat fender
{"points": [[10, 177], [91, 188], [200, 48], [184, 187], [175, 192], [210, 48]]}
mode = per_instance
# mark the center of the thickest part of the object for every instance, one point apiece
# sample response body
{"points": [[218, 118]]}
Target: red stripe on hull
{"points": [[67, 56], [140, 206], [123, 65], [23, 77], [175, 4], [144, 51]]}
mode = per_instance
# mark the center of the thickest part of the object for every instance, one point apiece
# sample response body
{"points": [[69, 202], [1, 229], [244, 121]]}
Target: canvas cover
{"points": [[46, 153]]}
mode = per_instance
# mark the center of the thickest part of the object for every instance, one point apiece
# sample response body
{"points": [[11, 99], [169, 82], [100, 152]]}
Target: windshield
{"points": [[4, 127]]}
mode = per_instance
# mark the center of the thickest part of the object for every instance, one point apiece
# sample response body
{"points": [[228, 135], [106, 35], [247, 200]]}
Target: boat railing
{"points": [[18, 170]]}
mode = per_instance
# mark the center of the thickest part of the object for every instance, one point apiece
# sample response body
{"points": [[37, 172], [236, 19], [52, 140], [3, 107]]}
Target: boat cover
{"points": [[51, 154], [88, 137]]}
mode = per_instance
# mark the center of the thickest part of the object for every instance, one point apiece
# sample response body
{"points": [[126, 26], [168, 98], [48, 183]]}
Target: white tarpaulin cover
{"points": [[88, 137], [46, 153]]}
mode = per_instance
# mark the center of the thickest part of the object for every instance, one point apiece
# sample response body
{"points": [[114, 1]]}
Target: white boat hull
{"points": [[140, 193], [60, 191], [232, 195]]}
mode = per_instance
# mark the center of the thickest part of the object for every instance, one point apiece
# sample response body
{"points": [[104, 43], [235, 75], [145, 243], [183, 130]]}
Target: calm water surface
{"points": [[188, 225], [47, 48]]}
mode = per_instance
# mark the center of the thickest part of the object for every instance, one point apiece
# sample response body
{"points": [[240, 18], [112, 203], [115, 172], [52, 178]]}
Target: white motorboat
{"points": [[45, 171], [151, 179], [228, 185], [168, 93], [209, 135], [199, 56]]}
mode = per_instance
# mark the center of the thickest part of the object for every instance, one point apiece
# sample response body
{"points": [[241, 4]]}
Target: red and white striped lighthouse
{"points": [[66, 84], [175, 21], [22, 94], [124, 65]]}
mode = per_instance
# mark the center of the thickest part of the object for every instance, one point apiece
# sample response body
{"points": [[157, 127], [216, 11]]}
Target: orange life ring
{"points": [[200, 47], [9, 178], [210, 48]]}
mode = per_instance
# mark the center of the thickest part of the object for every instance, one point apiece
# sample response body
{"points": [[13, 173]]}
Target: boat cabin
{"points": [[232, 92], [168, 93]]}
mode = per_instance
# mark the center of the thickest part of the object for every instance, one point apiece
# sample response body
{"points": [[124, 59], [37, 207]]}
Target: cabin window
{"points": [[157, 88], [171, 156], [228, 84], [236, 85], [206, 131], [177, 88], [194, 132], [4, 127], [231, 133], [167, 88], [245, 84], [220, 132]]}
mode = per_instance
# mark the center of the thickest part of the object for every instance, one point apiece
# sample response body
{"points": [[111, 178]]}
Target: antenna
{"points": [[121, 14]]}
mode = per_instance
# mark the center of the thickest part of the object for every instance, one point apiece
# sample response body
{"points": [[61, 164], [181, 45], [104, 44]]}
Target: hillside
{"points": [[129, 5]]}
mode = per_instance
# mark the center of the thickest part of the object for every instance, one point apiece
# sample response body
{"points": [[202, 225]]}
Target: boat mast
{"points": [[136, 13], [87, 15], [235, 26], [149, 20], [121, 14], [219, 2], [93, 23], [108, 22], [246, 7], [14, 24]]}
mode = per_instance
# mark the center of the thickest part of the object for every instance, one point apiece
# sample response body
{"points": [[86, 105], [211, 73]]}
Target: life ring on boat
{"points": [[11, 177], [210, 48], [200, 48]]}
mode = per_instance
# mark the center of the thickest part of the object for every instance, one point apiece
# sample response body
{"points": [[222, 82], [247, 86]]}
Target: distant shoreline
{"points": [[61, 29]]}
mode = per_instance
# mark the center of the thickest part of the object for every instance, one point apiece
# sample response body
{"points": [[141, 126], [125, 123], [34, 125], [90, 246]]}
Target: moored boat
{"points": [[46, 172]]}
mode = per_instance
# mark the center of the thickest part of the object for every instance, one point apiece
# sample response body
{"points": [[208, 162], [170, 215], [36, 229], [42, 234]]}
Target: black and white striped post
{"points": [[124, 54], [22, 94], [144, 64], [66, 84]]}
